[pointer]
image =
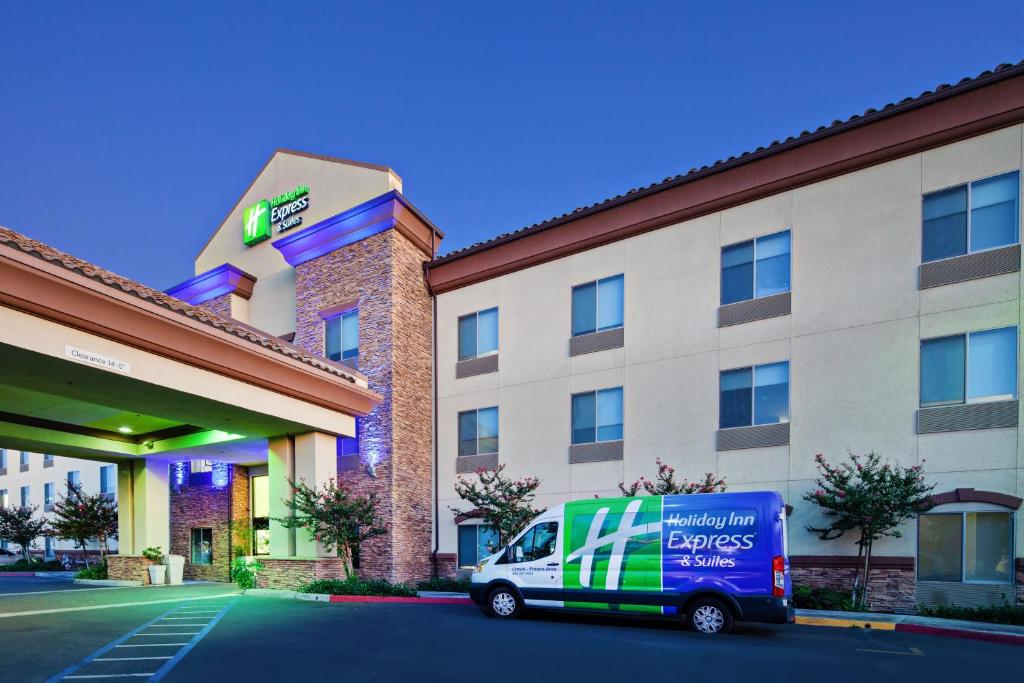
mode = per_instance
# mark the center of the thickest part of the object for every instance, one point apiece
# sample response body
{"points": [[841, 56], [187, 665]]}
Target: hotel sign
{"points": [[262, 218]]}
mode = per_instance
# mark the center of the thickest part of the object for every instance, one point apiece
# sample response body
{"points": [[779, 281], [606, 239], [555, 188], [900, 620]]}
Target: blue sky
{"points": [[128, 131]]}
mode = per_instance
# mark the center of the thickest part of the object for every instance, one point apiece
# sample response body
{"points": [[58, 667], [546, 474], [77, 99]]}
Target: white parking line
{"points": [[58, 610], [126, 659], [110, 675], [162, 635], [153, 645], [68, 590]]}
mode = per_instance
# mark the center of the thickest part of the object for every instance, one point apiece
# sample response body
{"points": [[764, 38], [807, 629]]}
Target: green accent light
{"points": [[125, 430]]}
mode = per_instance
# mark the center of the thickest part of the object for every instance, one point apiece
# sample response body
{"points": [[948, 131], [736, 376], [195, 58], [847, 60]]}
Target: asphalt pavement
{"points": [[253, 638]]}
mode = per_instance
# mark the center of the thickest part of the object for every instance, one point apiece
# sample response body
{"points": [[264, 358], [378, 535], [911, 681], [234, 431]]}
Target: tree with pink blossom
{"points": [[870, 499], [665, 484]]}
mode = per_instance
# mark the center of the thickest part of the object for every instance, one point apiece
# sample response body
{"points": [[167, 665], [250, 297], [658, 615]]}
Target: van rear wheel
{"points": [[710, 616], [504, 603]]}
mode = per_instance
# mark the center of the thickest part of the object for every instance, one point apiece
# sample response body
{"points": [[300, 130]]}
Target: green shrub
{"points": [[356, 586], [243, 572], [806, 597], [96, 571], [993, 614], [153, 553], [33, 565], [443, 584]]}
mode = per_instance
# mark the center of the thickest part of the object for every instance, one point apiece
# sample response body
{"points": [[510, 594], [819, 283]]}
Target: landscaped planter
{"points": [[157, 574]]}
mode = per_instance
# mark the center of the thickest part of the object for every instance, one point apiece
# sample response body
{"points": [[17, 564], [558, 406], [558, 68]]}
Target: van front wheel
{"points": [[502, 602], [710, 616]]}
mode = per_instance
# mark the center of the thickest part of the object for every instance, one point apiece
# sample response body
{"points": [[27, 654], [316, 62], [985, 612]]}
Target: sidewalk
{"points": [[908, 623]]}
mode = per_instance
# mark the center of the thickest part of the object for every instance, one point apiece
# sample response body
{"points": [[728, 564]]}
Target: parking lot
{"points": [[49, 628]]}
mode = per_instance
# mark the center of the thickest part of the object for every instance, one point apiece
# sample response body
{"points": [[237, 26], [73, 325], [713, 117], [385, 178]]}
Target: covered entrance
{"points": [[189, 406]]}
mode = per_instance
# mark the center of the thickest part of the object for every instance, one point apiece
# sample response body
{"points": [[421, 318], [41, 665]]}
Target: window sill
{"points": [[755, 309], [601, 451], [467, 464], [3, 471], [597, 341], [24, 468], [47, 464], [48, 508], [967, 416], [481, 365], [758, 436], [969, 267]]}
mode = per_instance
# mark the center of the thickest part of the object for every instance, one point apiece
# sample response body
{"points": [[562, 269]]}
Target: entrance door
{"points": [[535, 565]]}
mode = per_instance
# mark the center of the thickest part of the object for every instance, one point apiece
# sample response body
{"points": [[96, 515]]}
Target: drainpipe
{"points": [[433, 407]]}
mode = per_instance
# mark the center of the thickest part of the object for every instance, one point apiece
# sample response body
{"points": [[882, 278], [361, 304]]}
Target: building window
{"points": [[74, 478], [973, 217], [478, 431], [476, 542], [597, 416], [969, 368], [757, 395], [597, 306], [25, 496], [47, 460], [24, 461], [965, 547], [108, 480], [478, 334], [756, 268], [4, 500], [48, 495], [341, 334], [260, 487], [48, 547], [202, 546], [3, 461]]}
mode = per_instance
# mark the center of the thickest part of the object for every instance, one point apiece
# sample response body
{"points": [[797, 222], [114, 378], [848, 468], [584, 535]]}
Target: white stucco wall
{"points": [[852, 340]]}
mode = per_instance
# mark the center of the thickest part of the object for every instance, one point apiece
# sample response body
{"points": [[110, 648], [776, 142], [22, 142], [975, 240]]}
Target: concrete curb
{"points": [[112, 583], [908, 623], [425, 599], [16, 574]]}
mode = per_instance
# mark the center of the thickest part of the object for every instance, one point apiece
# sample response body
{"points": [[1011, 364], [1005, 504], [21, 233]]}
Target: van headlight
{"points": [[479, 567]]}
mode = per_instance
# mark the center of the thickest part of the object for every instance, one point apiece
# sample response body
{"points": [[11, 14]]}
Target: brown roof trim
{"points": [[471, 514], [55, 286], [992, 100], [295, 153], [971, 496], [849, 562]]}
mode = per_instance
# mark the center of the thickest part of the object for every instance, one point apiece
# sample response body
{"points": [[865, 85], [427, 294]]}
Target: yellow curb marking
{"points": [[846, 623]]}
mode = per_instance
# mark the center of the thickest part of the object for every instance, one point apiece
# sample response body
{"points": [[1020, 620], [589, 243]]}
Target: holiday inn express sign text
{"points": [[258, 220]]}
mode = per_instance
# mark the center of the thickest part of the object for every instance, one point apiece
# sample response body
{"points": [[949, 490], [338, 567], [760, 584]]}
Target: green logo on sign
{"points": [[256, 223]]}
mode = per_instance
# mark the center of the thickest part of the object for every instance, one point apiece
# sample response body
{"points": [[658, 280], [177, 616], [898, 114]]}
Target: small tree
{"points": [[334, 516], [17, 525], [870, 497], [666, 485], [79, 516], [503, 503]]}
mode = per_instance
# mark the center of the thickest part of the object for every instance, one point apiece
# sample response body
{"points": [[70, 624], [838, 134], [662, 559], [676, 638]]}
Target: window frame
{"points": [[49, 493], [192, 546], [753, 277], [597, 410], [753, 395], [597, 305], [25, 496], [476, 543], [963, 547], [476, 416], [340, 317], [476, 342], [967, 369], [970, 219]]}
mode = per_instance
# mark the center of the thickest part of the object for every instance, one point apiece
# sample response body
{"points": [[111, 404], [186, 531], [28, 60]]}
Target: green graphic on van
{"points": [[612, 544], [256, 223]]}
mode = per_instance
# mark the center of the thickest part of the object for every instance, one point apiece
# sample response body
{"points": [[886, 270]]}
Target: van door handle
{"points": [[552, 564]]}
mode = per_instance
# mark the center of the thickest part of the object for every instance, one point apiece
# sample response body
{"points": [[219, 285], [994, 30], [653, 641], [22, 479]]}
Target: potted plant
{"points": [[157, 572]]}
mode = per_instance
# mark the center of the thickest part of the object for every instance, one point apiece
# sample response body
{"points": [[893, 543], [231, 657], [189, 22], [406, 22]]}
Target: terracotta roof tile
{"points": [[869, 115], [16, 240]]}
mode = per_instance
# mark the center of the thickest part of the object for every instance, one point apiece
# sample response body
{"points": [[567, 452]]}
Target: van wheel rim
{"points": [[504, 604], [708, 619]]}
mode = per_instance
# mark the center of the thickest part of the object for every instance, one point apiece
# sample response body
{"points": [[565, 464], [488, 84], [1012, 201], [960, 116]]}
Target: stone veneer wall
{"points": [[128, 568], [290, 574], [224, 510], [384, 273], [219, 305], [890, 589]]}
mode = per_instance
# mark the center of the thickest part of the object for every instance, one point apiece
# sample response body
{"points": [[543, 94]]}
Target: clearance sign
{"points": [[260, 219]]}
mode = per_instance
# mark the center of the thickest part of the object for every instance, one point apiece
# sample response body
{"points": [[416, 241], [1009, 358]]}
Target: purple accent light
{"points": [[359, 222], [223, 279]]}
